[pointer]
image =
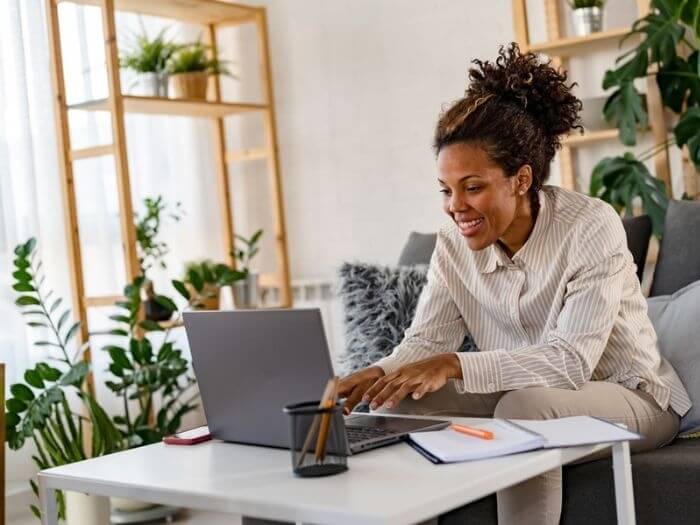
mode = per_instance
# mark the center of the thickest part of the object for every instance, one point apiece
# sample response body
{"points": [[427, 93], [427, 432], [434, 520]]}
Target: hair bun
{"points": [[536, 87]]}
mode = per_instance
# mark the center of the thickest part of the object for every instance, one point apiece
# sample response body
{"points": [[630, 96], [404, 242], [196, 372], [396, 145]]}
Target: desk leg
{"points": [[624, 493], [47, 497]]}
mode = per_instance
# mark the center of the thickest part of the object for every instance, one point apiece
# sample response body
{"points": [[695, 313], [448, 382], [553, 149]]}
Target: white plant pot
{"points": [[150, 85], [129, 505], [246, 292], [86, 509], [587, 20]]}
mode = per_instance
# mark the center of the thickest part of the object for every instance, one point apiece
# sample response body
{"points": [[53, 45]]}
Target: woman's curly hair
{"points": [[516, 109]]}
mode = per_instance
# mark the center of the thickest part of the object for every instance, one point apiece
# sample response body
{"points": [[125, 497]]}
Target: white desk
{"points": [[391, 485]]}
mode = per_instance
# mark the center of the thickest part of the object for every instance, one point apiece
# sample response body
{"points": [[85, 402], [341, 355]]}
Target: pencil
{"points": [[327, 402], [314, 425]]}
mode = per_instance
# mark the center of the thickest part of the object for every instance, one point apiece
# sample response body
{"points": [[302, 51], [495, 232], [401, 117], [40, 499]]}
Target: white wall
{"points": [[358, 86]]}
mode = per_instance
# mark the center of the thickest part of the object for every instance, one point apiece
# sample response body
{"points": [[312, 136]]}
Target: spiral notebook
{"points": [[514, 436]]}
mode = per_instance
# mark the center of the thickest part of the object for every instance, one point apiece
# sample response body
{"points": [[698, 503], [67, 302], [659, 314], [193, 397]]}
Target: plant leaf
{"points": [[76, 374], [16, 405], [150, 326], [48, 373], [22, 392], [687, 133], [181, 289], [166, 303], [72, 331], [33, 378], [618, 180], [55, 305], [27, 300], [624, 109], [679, 82], [23, 287]]}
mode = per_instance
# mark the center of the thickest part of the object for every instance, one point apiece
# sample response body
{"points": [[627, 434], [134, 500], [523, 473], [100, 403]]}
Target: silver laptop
{"points": [[251, 363]]}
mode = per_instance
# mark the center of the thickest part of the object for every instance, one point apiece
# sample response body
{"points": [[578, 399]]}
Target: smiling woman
{"points": [[540, 276]]}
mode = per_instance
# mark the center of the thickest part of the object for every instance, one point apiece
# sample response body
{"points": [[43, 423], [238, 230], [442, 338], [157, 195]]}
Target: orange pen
{"points": [[476, 432]]}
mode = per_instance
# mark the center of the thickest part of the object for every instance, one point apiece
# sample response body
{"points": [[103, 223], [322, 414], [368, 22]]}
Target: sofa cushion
{"points": [[675, 319], [379, 303], [418, 249], [679, 253]]}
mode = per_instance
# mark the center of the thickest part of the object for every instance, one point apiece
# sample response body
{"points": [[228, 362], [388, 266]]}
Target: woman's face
{"points": [[482, 201]]}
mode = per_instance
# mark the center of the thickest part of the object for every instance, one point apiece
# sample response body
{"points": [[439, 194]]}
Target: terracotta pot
{"points": [[208, 298], [189, 85]]}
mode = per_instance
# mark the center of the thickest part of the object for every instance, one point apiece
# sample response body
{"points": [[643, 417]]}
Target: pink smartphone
{"points": [[189, 437]]}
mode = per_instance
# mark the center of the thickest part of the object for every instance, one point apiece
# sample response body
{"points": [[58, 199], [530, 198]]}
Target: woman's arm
{"points": [[437, 327]]}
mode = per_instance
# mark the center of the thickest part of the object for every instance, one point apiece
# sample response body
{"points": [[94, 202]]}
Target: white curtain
{"points": [[168, 156]]}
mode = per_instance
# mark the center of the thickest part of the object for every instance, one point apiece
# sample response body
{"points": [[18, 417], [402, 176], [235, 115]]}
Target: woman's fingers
{"points": [[405, 389], [378, 386], [352, 399], [430, 385], [392, 386]]}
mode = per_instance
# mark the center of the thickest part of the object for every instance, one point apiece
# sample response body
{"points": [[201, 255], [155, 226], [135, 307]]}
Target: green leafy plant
{"points": [[249, 250], [582, 4], [619, 180], [151, 251], [203, 280], [195, 57], [669, 46], [144, 370], [147, 55], [39, 409]]}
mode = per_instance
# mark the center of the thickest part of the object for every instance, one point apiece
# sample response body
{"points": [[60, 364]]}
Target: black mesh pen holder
{"points": [[318, 443]]}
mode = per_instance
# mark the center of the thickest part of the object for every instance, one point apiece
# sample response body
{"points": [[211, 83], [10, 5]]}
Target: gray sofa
{"points": [[666, 481]]}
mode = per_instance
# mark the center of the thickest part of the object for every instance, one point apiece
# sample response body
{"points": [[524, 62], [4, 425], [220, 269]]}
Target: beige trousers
{"points": [[538, 500]]}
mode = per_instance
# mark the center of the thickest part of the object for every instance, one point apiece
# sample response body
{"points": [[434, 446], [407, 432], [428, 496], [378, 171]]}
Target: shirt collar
{"points": [[493, 256]]}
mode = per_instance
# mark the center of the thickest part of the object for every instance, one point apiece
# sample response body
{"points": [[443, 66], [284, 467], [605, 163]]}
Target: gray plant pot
{"points": [[151, 85], [587, 20], [246, 292]]}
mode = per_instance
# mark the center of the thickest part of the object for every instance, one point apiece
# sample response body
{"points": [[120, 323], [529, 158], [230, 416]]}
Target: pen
{"points": [[476, 432]]}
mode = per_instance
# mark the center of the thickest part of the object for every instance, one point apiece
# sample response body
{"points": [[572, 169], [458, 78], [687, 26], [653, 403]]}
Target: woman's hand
{"points": [[353, 387], [419, 378]]}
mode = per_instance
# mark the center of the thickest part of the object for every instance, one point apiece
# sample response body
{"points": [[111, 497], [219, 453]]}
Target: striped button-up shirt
{"points": [[566, 309]]}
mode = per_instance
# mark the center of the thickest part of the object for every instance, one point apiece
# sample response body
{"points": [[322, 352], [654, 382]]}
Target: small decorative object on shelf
{"points": [[246, 292], [587, 16], [190, 67], [148, 58]]}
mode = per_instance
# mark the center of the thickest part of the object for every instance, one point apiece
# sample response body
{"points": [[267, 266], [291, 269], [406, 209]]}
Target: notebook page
{"points": [[577, 430], [450, 446]]}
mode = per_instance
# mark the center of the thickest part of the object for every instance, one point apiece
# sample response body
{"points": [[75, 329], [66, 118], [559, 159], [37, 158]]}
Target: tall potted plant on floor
{"points": [[40, 407]]}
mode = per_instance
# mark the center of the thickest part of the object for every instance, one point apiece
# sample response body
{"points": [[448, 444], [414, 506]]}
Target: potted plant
{"points": [[587, 16], [147, 367], [151, 250], [189, 68], [39, 408], [246, 292], [148, 58], [669, 49], [203, 281]]}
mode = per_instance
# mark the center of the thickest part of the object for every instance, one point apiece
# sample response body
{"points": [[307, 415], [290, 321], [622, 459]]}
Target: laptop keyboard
{"points": [[358, 434]]}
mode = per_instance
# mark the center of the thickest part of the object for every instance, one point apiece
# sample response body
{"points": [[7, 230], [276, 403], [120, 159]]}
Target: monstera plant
{"points": [[668, 50], [39, 409]]}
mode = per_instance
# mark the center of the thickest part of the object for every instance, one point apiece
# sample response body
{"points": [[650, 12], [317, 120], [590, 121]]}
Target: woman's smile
{"points": [[469, 228]]}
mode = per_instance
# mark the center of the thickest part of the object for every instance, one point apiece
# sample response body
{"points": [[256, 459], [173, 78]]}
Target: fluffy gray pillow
{"points": [[379, 303], [676, 319]]}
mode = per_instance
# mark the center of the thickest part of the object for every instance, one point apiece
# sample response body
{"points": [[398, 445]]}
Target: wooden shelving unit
{"points": [[213, 15], [561, 47]]}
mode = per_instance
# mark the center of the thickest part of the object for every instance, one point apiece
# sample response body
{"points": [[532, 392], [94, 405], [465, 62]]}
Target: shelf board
{"points": [[577, 139], [169, 106], [565, 47], [191, 11]]}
